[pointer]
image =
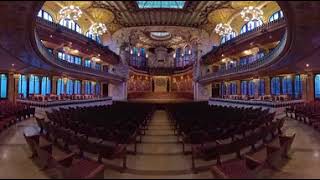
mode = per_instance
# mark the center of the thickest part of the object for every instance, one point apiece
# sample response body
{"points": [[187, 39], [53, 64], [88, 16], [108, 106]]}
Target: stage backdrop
{"points": [[160, 84]]}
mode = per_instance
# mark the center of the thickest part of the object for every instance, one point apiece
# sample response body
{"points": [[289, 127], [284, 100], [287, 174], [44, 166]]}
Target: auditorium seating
{"points": [[309, 113], [11, 113], [101, 131], [215, 131]]}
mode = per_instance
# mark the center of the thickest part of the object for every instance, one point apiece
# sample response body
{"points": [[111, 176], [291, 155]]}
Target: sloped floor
{"points": [[160, 155]]}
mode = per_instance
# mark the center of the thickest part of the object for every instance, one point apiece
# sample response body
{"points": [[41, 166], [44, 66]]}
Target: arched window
{"points": [[317, 86], [93, 37], [276, 15], [233, 88], [251, 88], [244, 87], [70, 24], [45, 86], [3, 86], [286, 85], [34, 84], [22, 85], [98, 88], [77, 87], [69, 89], [297, 87], [250, 26], [227, 37], [60, 86], [45, 15], [275, 86], [261, 89]]}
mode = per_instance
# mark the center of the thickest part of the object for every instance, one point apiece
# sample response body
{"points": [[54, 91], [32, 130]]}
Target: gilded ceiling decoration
{"points": [[242, 4], [80, 4], [220, 15], [101, 15]]}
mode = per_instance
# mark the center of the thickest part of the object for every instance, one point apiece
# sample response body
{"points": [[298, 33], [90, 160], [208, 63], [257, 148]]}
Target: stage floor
{"points": [[159, 101]]}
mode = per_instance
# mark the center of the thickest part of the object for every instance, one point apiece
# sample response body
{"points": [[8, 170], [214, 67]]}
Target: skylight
{"points": [[161, 4]]}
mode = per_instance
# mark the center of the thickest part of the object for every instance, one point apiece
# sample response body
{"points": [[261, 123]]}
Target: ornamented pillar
{"points": [[83, 85], [54, 84], [256, 88], [13, 80], [310, 87], [238, 83], [267, 85]]}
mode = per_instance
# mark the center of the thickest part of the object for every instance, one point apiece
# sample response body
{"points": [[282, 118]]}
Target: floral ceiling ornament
{"points": [[98, 29], [251, 13], [223, 29], [70, 12]]}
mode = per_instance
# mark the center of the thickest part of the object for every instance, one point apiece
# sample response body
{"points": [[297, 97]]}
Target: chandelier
{"points": [[70, 12], [98, 28], [223, 29], [251, 13]]}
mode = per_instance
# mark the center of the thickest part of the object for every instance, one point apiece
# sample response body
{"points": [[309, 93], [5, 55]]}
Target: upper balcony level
{"points": [[268, 32], [58, 34]]}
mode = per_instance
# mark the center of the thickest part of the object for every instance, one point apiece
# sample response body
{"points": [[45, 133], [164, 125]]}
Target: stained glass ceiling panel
{"points": [[161, 4]]}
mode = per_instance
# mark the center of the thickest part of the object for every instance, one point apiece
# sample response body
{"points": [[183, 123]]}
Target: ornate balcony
{"points": [[242, 41], [47, 26], [48, 57], [262, 62]]}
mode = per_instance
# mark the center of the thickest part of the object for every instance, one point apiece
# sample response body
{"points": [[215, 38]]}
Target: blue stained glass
{"points": [[261, 88], [286, 85], [77, 87], [34, 85], [297, 87], [98, 89], [22, 85], [45, 86], [69, 89], [317, 86], [275, 86], [161, 4], [3, 85], [244, 88], [251, 89], [60, 87]]}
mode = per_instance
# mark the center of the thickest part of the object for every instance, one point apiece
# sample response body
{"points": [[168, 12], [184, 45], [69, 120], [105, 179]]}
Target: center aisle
{"points": [[160, 154]]}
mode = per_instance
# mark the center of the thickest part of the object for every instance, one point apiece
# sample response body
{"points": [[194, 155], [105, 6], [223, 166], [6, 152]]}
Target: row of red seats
{"points": [[309, 113], [11, 113]]}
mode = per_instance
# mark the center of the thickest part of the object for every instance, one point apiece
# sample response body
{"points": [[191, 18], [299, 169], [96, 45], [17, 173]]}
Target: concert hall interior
{"points": [[159, 89]]}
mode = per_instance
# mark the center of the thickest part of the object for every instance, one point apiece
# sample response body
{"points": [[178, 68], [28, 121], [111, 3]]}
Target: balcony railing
{"points": [[266, 59], [245, 36], [74, 67], [78, 36]]}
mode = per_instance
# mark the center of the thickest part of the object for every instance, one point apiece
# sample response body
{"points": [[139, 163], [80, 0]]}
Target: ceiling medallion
{"points": [[223, 29], [251, 13], [70, 12], [98, 29]]}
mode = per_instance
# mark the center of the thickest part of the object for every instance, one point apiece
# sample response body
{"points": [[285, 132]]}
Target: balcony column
{"points": [[12, 89], [256, 88], [307, 87], [238, 83], [83, 85], [267, 86], [54, 84]]}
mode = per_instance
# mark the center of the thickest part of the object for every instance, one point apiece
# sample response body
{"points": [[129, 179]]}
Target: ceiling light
{"points": [[251, 13], [307, 65], [223, 29], [70, 12], [223, 60], [95, 59], [66, 48], [98, 29], [75, 51]]}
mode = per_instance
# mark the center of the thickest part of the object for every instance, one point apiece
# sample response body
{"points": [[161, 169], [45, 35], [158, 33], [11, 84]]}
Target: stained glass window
{"points": [[161, 4], [233, 88], [60, 87], [286, 85], [45, 15], [70, 24], [34, 84], [3, 85], [297, 87], [45, 86], [69, 89], [261, 89], [244, 90], [77, 87], [22, 85], [227, 37], [275, 86], [251, 88], [98, 88], [317, 86], [276, 15], [94, 37], [250, 26]]}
